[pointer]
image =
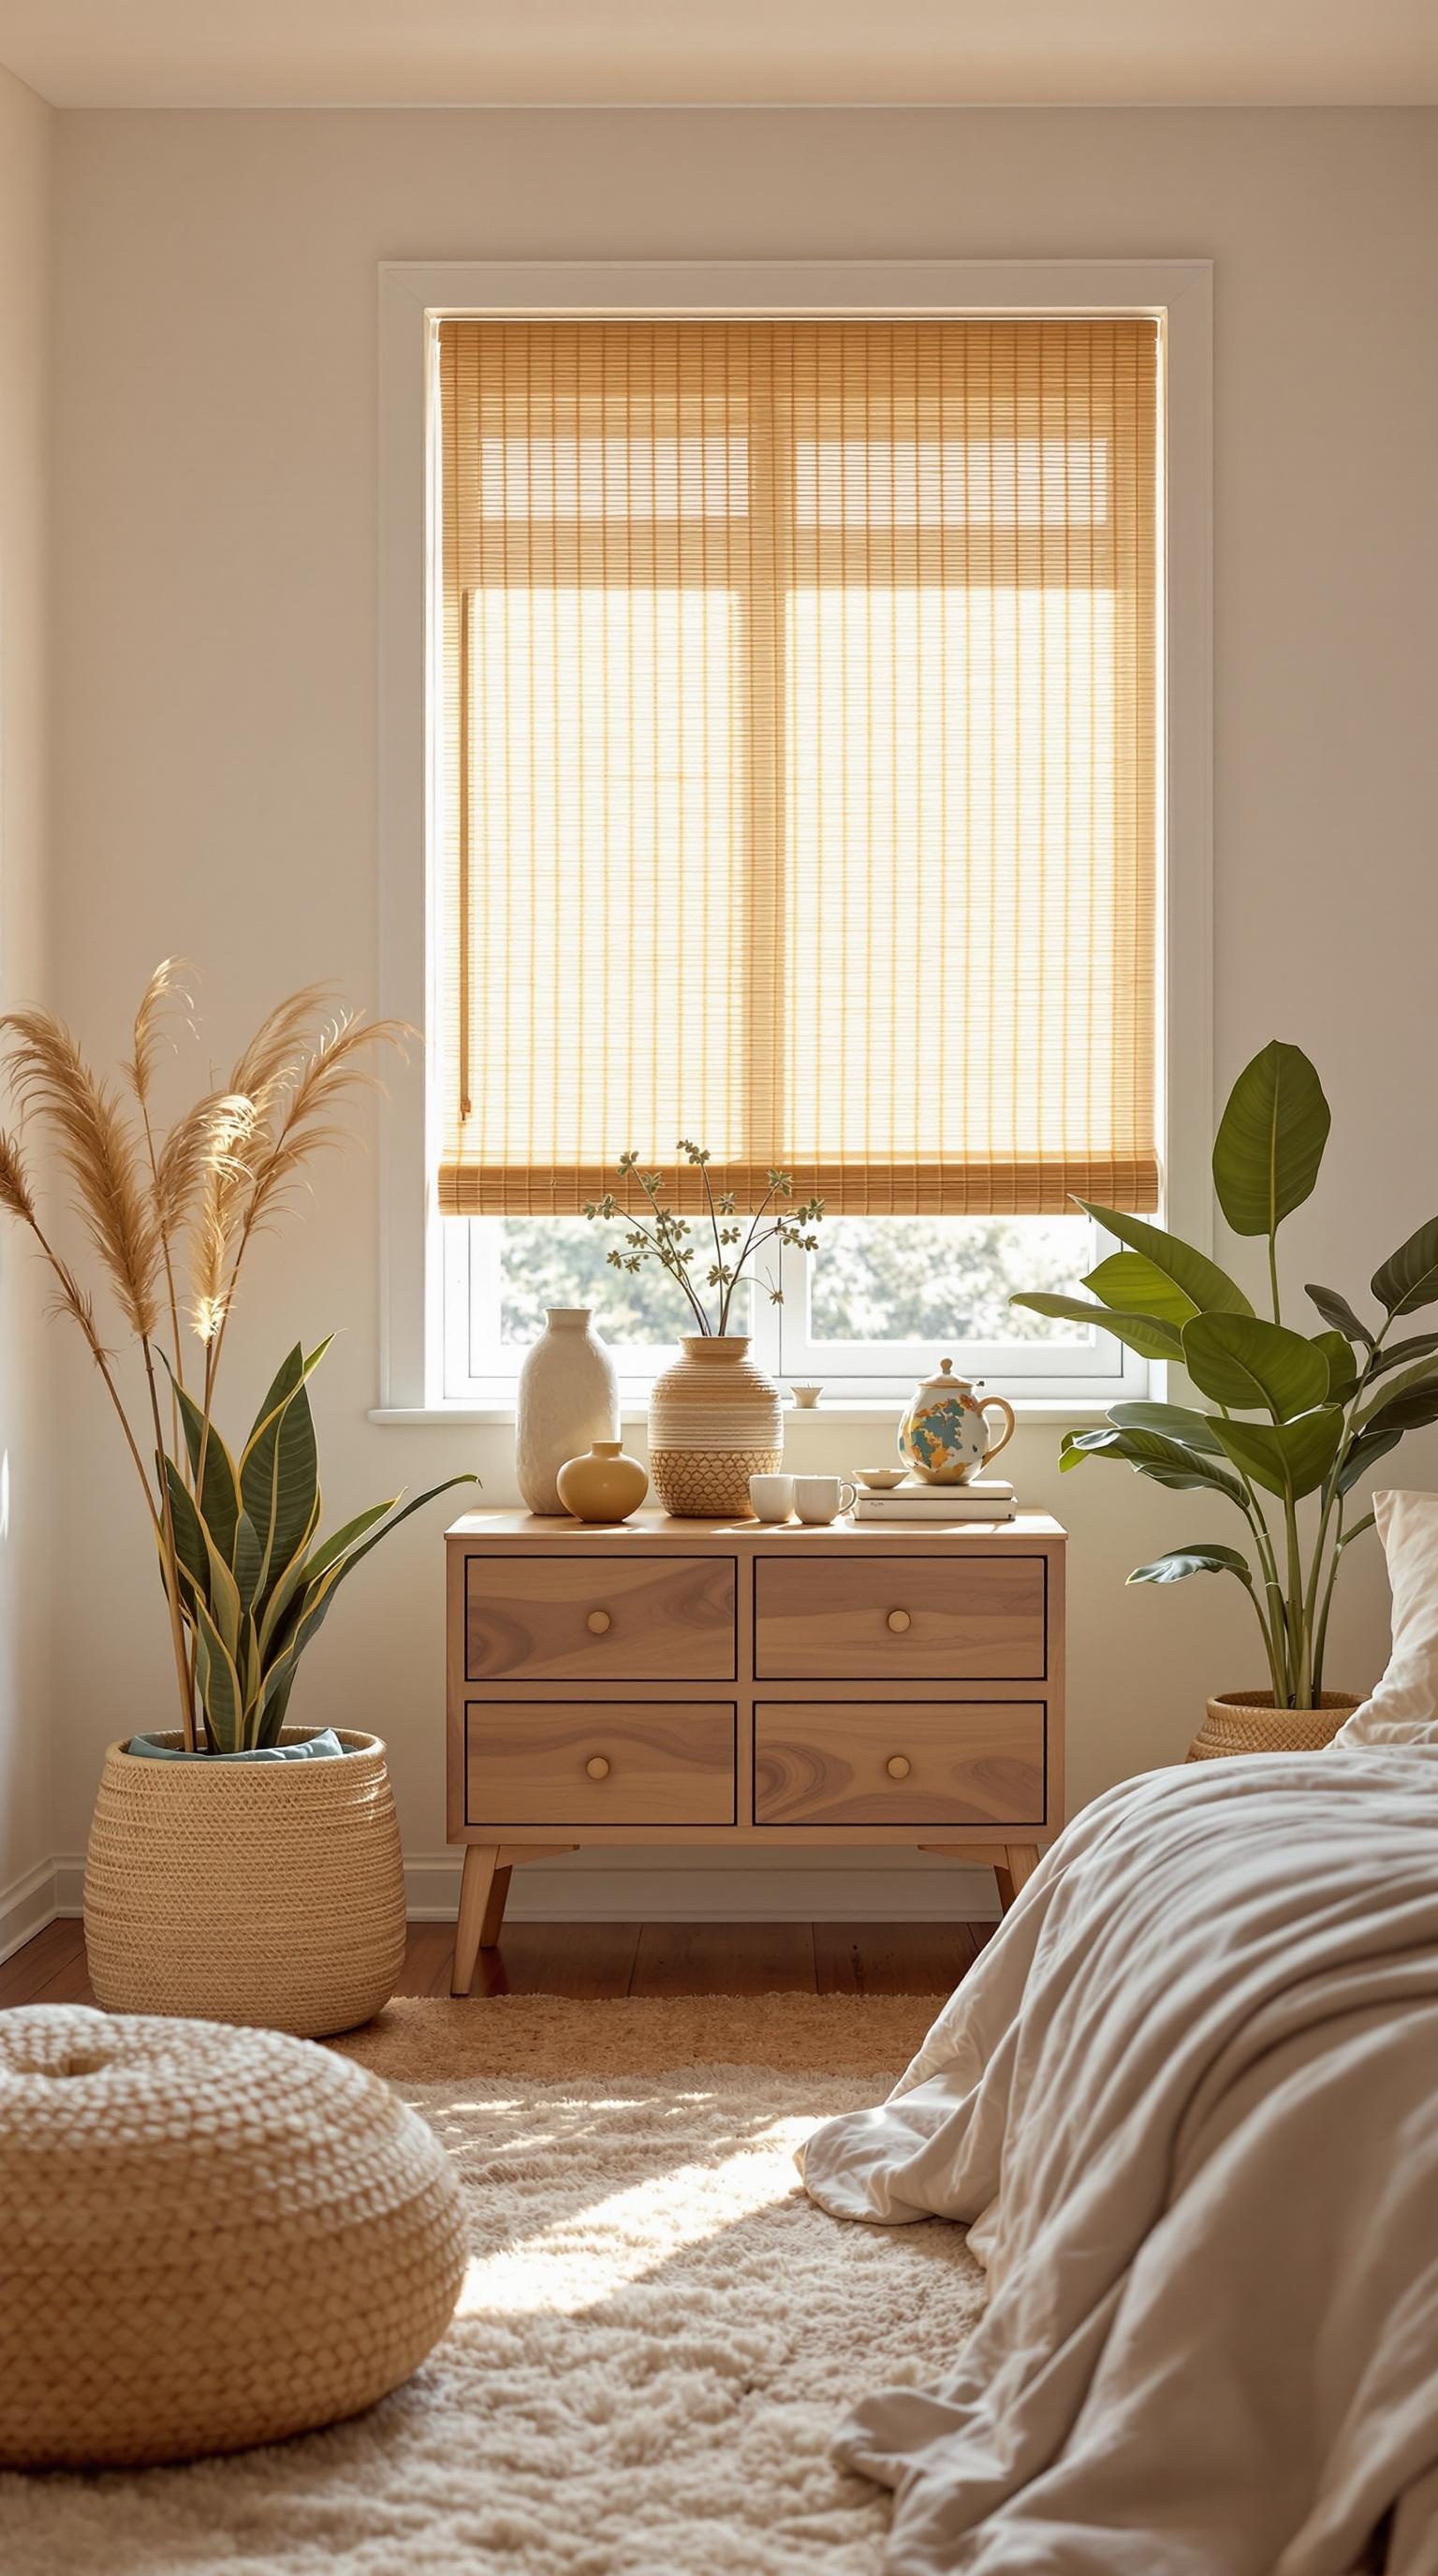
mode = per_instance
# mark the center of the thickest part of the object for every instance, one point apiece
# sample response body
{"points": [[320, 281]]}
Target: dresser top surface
{"points": [[655, 1529]]}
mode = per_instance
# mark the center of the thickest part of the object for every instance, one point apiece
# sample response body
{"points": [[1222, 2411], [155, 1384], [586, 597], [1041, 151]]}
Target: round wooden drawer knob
{"points": [[597, 1766], [599, 1623], [898, 1766], [899, 1620]]}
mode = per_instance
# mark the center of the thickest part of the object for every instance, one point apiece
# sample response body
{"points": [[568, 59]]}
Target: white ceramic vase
{"points": [[568, 1398]]}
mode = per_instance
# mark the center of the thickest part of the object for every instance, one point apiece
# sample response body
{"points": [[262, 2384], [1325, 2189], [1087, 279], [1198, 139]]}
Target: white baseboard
{"points": [[26, 1906], [708, 1886], [703, 1886]]}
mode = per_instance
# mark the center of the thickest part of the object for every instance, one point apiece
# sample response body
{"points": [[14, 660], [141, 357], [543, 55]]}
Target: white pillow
{"points": [[1404, 1707]]}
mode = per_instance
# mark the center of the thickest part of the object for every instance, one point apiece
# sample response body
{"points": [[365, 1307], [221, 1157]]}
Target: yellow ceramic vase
{"points": [[603, 1485]]}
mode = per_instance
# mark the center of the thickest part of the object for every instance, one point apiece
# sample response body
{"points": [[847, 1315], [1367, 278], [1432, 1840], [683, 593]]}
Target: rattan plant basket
{"points": [[1248, 1722], [263, 1892]]}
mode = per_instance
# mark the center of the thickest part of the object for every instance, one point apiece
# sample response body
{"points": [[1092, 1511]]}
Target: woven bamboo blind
{"points": [[799, 759]]}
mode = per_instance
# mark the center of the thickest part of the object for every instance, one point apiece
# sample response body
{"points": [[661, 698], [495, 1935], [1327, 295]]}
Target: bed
{"points": [[1187, 2103]]}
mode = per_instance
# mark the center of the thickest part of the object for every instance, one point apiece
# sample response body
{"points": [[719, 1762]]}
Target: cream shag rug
{"points": [[656, 2339]]}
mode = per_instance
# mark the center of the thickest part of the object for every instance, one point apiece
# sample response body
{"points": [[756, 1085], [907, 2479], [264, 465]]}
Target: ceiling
{"points": [[301, 53]]}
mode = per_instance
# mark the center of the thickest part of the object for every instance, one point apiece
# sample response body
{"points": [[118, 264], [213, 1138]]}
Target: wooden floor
{"points": [[597, 1961]]}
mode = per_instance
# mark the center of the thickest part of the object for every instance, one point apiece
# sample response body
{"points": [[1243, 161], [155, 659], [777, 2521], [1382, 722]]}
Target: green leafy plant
{"points": [[1328, 1405], [169, 1214], [670, 1239]]}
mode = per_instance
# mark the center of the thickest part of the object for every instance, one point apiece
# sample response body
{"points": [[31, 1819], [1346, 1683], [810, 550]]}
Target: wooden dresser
{"points": [[677, 1681]]}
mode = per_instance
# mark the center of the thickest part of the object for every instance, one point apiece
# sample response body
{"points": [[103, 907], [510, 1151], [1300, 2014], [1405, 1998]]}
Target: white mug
{"points": [[772, 1497], [819, 1499]]}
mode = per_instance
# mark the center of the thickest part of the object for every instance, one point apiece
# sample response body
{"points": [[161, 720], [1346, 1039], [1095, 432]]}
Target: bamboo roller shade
{"points": [[799, 759]]}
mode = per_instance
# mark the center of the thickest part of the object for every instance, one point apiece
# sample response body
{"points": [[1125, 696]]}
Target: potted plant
{"points": [[1291, 1421], [239, 1869], [715, 1418]]}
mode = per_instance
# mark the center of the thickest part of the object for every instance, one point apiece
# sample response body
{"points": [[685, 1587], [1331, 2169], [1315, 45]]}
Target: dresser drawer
{"points": [[586, 1617], [899, 1618], [552, 1762], [904, 1762]]}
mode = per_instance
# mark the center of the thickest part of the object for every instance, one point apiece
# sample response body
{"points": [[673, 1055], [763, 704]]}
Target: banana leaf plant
{"points": [[1290, 1418], [255, 1582]]}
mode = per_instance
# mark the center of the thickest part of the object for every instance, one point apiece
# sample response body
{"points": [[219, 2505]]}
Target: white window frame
{"points": [[1043, 1372], [639, 1363], [861, 1373], [414, 296]]}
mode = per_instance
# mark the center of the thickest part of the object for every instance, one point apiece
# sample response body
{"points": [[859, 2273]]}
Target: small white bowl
{"points": [[880, 1480], [807, 1396]]}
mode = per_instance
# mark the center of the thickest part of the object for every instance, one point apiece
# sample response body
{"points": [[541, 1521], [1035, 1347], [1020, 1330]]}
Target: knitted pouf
{"points": [[209, 2237]]}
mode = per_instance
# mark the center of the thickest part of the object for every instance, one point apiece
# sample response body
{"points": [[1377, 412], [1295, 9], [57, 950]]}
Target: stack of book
{"points": [[990, 1499]]}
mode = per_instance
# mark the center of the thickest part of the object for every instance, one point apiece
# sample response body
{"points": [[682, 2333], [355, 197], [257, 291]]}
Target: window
{"points": [[797, 791], [866, 1313]]}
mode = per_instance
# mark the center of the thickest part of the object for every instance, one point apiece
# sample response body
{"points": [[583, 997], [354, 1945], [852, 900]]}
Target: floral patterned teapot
{"points": [[944, 1435]]}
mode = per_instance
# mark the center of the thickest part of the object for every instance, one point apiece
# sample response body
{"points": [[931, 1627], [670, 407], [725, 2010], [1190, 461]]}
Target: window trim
{"points": [[1032, 1369], [854, 1373], [413, 295]]}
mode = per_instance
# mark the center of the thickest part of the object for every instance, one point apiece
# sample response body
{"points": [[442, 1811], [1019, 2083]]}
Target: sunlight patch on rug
{"points": [[570, 2267]]}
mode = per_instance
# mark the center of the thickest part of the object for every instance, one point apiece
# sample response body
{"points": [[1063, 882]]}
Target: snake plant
{"points": [[256, 1583], [1328, 1405]]}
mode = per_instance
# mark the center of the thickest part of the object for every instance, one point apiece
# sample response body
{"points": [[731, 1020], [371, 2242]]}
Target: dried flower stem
{"points": [[171, 1298], [315, 1081], [163, 987], [74, 1305], [172, 1576]]}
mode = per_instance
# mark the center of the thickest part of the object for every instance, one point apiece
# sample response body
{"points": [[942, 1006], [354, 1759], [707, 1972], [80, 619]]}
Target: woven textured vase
{"points": [[212, 2237], [715, 1420], [247, 1891], [1248, 1722]]}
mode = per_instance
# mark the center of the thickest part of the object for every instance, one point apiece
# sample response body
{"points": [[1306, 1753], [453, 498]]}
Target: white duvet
{"points": [[1192, 2089]]}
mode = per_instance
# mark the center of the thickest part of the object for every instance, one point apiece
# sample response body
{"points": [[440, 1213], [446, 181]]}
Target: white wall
{"points": [[216, 795], [26, 1429]]}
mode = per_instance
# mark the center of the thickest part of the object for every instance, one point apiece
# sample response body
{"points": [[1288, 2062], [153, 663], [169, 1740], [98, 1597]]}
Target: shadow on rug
{"points": [[657, 2335]]}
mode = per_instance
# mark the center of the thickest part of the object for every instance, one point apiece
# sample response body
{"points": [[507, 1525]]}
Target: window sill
{"points": [[1038, 1410]]}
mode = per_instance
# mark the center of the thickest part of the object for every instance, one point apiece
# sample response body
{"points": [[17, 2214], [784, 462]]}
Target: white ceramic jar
{"points": [[568, 1398]]}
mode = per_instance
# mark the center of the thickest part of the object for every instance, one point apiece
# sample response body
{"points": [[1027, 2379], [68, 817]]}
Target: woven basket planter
{"points": [[1248, 1722], [267, 1892], [715, 1420], [212, 2237]]}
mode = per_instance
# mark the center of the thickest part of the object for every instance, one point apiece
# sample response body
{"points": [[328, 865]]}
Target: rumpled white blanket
{"points": [[1197, 2073]]}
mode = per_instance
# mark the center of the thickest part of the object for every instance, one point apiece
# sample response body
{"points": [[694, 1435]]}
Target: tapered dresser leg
{"points": [[1013, 1867], [494, 1911], [1023, 1860], [478, 1891]]}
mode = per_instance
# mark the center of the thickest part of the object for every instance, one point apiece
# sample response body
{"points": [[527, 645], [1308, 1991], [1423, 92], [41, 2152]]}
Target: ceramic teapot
{"points": [[944, 1436]]}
